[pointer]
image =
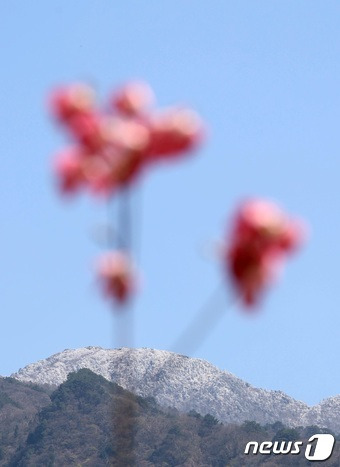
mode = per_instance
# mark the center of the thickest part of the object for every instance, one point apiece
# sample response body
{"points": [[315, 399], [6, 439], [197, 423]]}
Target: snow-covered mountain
{"points": [[185, 383]]}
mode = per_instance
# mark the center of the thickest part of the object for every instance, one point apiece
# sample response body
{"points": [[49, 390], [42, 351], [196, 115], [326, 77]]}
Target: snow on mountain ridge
{"points": [[185, 383]]}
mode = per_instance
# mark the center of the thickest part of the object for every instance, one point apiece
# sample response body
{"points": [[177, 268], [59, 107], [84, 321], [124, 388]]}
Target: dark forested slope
{"points": [[90, 421]]}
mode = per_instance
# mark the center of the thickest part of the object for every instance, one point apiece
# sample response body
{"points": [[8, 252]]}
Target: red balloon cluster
{"points": [[261, 237], [113, 147]]}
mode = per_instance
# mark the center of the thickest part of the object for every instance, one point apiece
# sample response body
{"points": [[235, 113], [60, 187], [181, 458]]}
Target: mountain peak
{"points": [[184, 383]]}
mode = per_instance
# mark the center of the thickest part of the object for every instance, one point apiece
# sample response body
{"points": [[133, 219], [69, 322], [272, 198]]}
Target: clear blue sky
{"points": [[265, 77]]}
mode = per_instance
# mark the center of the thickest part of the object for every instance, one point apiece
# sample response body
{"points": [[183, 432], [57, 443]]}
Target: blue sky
{"points": [[265, 78]]}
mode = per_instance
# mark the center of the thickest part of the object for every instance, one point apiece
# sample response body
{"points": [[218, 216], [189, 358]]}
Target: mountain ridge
{"points": [[184, 383], [88, 420]]}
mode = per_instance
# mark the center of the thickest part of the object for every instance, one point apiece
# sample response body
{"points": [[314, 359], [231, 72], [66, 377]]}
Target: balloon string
{"points": [[203, 323]]}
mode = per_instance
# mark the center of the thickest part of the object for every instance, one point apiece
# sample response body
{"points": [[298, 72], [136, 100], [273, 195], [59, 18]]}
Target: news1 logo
{"points": [[319, 447]]}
